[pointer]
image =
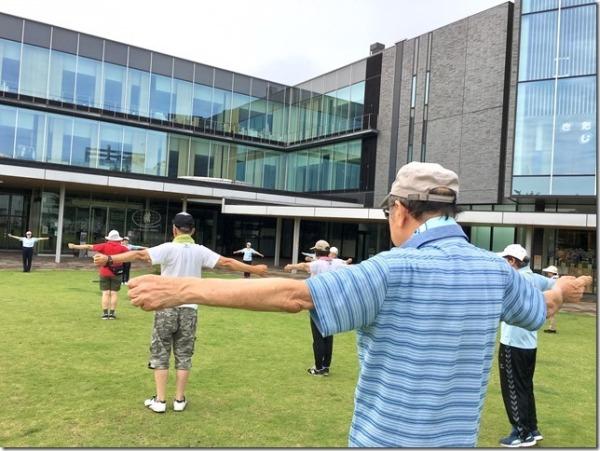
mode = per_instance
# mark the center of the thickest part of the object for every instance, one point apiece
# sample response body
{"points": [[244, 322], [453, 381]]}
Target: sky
{"points": [[286, 41]]}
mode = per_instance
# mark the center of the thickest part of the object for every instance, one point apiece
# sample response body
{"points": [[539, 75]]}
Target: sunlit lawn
{"points": [[69, 379]]}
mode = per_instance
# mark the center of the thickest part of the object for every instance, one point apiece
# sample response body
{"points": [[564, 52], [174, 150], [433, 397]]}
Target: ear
{"points": [[400, 212]]}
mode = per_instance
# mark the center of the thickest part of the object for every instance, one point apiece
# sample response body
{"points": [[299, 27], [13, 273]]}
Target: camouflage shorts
{"points": [[176, 328]]}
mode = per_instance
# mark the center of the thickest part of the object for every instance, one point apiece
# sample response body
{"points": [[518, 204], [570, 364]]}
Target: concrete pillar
{"points": [[529, 242], [296, 241], [184, 204], [59, 227], [277, 242]]}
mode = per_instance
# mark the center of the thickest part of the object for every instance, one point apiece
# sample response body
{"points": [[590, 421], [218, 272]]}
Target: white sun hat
{"points": [[113, 235]]}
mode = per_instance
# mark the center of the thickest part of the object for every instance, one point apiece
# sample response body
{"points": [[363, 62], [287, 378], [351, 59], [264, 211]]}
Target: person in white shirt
{"points": [[176, 327], [247, 257], [552, 273], [333, 253], [27, 242], [322, 346]]}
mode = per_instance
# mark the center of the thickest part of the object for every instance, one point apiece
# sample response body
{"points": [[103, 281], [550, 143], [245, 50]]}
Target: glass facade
{"points": [[215, 101], [555, 129], [46, 137]]}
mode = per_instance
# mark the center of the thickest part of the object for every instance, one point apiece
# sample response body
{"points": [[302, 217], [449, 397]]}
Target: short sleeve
{"points": [[524, 305], [98, 247], [158, 254], [349, 298], [209, 257], [312, 267]]}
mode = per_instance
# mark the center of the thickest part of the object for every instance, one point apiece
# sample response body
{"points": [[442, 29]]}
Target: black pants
{"points": [[247, 274], [126, 269], [27, 257], [516, 380], [322, 347]]}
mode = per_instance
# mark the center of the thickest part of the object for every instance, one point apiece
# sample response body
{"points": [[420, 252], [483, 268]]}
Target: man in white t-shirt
{"points": [[176, 327], [322, 346], [27, 241], [247, 257]]}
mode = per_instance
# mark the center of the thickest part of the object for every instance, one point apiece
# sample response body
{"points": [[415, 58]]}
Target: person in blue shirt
{"points": [[426, 315], [516, 360]]}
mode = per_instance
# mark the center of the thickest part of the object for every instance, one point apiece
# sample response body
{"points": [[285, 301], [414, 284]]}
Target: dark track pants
{"points": [[517, 367], [126, 270], [27, 258], [322, 347]]}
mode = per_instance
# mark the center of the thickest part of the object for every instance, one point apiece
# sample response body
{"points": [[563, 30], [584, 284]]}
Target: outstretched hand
{"points": [[261, 270], [100, 259], [151, 292], [572, 288], [71, 246]]}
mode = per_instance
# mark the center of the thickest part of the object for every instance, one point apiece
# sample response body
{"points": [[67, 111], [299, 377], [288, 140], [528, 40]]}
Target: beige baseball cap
{"points": [[320, 245], [415, 181]]}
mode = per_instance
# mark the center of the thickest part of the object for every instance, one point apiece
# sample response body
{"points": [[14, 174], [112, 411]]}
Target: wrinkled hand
{"points": [[572, 288], [100, 259], [152, 292], [261, 270]]}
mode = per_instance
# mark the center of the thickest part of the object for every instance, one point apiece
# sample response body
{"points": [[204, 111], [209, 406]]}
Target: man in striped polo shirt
{"points": [[426, 315]]}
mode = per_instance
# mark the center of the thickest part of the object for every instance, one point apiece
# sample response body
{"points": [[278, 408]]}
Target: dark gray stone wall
{"points": [[466, 98]]}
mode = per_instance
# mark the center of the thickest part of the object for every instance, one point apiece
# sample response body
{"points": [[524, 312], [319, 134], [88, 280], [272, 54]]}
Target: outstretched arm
{"points": [[257, 253], [80, 246], [566, 289], [13, 236], [44, 238], [301, 266], [235, 265], [268, 295], [131, 256]]}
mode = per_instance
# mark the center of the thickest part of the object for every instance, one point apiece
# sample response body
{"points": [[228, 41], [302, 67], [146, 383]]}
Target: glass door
{"points": [[98, 224]]}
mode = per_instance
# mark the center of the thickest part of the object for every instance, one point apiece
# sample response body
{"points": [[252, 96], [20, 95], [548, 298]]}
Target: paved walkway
{"points": [[12, 260]]}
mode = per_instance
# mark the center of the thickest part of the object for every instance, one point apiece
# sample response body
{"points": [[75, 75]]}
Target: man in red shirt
{"points": [[110, 283]]}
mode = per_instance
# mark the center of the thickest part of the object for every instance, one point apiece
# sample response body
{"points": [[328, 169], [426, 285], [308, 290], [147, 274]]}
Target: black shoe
{"points": [[316, 372], [105, 316], [112, 316], [325, 371], [550, 331]]}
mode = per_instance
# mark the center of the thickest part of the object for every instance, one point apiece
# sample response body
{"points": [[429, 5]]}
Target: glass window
{"points": [[10, 58], [85, 143], [530, 6], [30, 135], [62, 77], [354, 158], [533, 128], [340, 158], [138, 92], [34, 71], [134, 150], [527, 186], [110, 151], [181, 101], [574, 185], [156, 157], [502, 237], [257, 124], [577, 49], [160, 97], [179, 152], [357, 98], [200, 154], [326, 167], [240, 109], [202, 104], [272, 171], [114, 87], [59, 133], [481, 237], [575, 134], [8, 122], [537, 58], [240, 163], [220, 159], [221, 109], [88, 83]]}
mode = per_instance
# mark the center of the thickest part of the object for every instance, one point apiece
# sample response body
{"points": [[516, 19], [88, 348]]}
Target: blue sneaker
{"points": [[537, 435], [515, 441]]}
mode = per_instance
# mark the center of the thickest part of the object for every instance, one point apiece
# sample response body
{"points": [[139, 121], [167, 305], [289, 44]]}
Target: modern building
{"points": [[97, 134]]}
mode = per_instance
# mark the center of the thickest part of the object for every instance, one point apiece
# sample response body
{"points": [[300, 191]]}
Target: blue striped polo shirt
{"points": [[426, 316]]}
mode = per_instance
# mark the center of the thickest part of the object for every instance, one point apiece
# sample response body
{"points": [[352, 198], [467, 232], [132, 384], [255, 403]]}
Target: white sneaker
{"points": [[156, 405], [179, 406]]}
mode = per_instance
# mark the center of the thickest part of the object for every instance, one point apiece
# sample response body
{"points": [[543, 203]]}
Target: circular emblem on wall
{"points": [[146, 218]]}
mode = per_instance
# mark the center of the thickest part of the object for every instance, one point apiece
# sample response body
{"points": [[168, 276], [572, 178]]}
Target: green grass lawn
{"points": [[69, 379]]}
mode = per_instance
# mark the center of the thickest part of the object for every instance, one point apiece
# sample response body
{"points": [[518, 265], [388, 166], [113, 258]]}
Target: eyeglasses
{"points": [[386, 212]]}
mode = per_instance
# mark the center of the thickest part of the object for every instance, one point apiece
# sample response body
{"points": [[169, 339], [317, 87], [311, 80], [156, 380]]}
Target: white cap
{"points": [[551, 269], [113, 235], [333, 250], [514, 250]]}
